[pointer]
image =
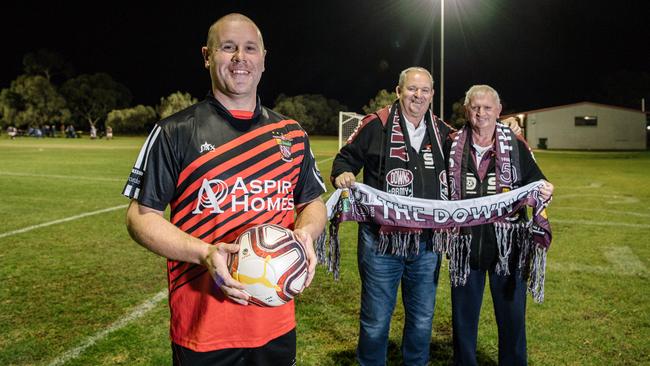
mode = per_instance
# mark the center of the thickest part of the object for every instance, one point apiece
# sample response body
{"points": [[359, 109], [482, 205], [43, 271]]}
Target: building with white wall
{"points": [[585, 126]]}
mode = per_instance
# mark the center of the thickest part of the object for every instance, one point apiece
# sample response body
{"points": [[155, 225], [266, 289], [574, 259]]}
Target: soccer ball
{"points": [[271, 264]]}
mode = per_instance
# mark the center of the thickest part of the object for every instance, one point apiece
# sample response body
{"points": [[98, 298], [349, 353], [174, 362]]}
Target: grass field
{"points": [[76, 290]]}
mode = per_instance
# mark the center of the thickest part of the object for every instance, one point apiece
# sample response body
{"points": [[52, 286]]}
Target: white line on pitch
{"points": [[622, 262], [599, 223], [139, 312], [71, 218], [324, 160], [630, 213], [13, 174]]}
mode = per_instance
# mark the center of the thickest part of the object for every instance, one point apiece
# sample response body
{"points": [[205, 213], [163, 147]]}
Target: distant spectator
{"points": [[53, 130], [70, 132], [46, 131], [109, 133], [11, 131]]}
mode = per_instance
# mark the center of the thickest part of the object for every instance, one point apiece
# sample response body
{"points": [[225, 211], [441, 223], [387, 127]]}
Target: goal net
{"points": [[348, 122]]}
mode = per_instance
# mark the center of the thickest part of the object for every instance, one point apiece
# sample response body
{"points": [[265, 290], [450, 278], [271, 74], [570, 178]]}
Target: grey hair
{"points": [[402, 75], [476, 90]]}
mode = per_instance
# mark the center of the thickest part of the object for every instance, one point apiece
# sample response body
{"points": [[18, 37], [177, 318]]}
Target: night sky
{"points": [[536, 53]]}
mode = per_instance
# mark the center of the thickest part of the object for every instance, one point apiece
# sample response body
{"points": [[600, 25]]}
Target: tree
{"points": [[131, 120], [173, 103], [46, 63], [91, 97], [32, 100], [381, 100], [315, 113], [458, 118]]}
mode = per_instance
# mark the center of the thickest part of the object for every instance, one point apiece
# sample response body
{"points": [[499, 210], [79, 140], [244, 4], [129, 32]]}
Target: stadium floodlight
{"points": [[348, 122]]}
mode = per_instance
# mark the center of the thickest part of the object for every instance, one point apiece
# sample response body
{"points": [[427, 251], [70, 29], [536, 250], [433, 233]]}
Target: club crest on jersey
{"points": [[212, 193], [400, 181], [206, 147], [284, 143]]}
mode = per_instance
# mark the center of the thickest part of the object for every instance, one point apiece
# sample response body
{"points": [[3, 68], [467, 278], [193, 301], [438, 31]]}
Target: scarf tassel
{"points": [[334, 258], [537, 274], [525, 241], [330, 256], [398, 243], [321, 252], [458, 252], [507, 234], [440, 241]]}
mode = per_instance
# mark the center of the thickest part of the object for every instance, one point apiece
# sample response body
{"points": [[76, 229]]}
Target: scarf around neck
{"points": [[401, 177], [533, 237]]}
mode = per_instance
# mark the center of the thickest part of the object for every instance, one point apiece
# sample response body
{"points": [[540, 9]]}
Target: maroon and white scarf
{"points": [[362, 203], [533, 237], [401, 176]]}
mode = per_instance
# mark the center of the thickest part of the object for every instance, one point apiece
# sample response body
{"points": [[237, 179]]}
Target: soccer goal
{"points": [[348, 122]]}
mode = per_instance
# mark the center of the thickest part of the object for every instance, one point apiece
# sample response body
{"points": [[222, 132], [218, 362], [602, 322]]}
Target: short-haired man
{"points": [[224, 165], [399, 149], [486, 161]]}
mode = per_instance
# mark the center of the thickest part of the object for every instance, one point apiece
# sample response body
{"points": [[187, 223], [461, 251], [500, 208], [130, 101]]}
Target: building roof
{"points": [[571, 105]]}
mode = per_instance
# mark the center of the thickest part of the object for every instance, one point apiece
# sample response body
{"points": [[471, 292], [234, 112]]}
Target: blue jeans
{"points": [[509, 301], [380, 277]]}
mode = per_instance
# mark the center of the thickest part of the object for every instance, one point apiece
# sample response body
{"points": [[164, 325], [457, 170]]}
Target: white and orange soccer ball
{"points": [[271, 264]]}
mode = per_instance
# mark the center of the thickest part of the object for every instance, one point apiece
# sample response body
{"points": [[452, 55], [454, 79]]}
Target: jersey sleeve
{"points": [[152, 181], [310, 183]]}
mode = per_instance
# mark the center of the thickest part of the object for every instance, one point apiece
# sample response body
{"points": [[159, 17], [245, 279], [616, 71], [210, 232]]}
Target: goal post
{"points": [[348, 122]]}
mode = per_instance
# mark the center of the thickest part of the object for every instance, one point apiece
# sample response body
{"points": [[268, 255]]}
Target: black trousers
{"points": [[509, 301], [280, 351]]}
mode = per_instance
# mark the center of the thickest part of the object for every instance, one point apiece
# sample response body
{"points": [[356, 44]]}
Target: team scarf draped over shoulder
{"points": [[402, 178]]}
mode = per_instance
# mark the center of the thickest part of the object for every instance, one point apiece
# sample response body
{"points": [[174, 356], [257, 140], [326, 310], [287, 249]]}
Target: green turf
{"points": [[65, 283]]}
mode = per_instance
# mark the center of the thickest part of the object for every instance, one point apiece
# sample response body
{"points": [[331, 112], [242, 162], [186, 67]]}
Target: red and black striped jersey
{"points": [[221, 175]]}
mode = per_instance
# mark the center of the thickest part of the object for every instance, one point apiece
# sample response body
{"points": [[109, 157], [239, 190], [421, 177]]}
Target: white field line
{"points": [[622, 262], [327, 159], [138, 312], [75, 177], [600, 223], [71, 218], [615, 212]]}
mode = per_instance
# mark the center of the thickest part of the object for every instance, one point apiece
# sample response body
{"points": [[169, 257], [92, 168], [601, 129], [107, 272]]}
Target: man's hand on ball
{"points": [[308, 243], [217, 263], [344, 180]]}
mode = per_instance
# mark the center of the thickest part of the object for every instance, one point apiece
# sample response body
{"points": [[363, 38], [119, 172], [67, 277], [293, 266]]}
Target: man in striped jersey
{"points": [[224, 165]]}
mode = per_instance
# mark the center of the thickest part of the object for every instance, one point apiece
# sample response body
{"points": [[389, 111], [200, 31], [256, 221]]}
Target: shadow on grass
{"points": [[440, 353]]}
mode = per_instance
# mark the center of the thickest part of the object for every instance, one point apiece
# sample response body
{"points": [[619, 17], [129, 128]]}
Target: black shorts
{"points": [[280, 351]]}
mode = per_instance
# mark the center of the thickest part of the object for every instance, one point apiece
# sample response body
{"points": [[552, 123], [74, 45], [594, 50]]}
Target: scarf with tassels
{"points": [[402, 178], [532, 238], [362, 203]]}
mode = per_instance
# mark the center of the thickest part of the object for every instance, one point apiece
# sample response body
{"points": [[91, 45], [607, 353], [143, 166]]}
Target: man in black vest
{"points": [[399, 149]]}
